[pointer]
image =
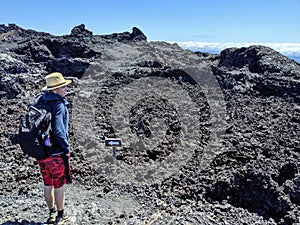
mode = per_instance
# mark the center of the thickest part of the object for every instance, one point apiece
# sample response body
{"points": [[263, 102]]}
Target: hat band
{"points": [[56, 85]]}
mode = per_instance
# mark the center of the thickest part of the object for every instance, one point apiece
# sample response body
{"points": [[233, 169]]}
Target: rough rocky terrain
{"points": [[207, 139]]}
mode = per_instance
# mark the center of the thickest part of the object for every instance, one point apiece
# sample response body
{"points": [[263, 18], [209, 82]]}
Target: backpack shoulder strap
{"points": [[38, 98], [40, 103]]}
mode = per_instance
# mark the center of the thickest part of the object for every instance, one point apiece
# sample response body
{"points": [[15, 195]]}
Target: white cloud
{"points": [[291, 50]]}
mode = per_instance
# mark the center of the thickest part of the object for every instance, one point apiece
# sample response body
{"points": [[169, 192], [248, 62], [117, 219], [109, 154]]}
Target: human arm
{"points": [[60, 127]]}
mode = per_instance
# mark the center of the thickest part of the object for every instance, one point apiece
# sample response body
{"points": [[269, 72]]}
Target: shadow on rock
{"points": [[24, 222], [254, 191]]}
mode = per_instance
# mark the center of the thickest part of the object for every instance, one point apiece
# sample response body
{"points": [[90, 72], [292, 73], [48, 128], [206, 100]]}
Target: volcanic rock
{"points": [[207, 139]]}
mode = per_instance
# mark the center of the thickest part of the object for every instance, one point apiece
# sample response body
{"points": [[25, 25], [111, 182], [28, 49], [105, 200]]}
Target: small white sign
{"points": [[113, 142]]}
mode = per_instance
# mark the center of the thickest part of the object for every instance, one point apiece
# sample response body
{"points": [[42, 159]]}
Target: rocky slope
{"points": [[207, 139]]}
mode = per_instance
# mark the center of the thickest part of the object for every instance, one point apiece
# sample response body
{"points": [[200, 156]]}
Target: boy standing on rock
{"points": [[55, 169]]}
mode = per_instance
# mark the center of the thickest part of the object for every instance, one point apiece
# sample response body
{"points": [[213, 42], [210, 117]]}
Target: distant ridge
{"points": [[291, 50]]}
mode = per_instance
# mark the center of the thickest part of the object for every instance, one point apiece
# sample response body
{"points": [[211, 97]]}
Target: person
{"points": [[55, 169]]}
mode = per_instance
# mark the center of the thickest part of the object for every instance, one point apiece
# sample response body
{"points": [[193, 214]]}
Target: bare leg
{"points": [[49, 196], [59, 198]]}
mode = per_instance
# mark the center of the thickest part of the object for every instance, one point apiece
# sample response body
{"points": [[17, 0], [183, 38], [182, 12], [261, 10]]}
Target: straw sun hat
{"points": [[55, 80]]}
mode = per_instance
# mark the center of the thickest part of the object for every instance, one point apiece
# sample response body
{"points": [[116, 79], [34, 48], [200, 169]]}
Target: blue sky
{"points": [[200, 25], [168, 20]]}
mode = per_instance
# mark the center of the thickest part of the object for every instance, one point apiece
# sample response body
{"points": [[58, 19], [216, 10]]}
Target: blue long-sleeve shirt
{"points": [[59, 122]]}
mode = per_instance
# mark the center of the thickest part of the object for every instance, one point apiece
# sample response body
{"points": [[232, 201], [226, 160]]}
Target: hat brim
{"points": [[59, 86]]}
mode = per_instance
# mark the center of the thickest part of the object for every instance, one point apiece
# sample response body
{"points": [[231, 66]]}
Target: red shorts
{"points": [[53, 171]]}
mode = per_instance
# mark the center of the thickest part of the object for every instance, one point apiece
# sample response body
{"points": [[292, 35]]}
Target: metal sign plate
{"points": [[113, 142]]}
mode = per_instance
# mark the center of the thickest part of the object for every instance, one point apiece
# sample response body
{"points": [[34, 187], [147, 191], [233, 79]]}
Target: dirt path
{"points": [[87, 207]]}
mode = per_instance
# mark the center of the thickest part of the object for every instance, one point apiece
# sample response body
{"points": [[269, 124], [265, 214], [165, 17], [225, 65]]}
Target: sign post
{"points": [[113, 143]]}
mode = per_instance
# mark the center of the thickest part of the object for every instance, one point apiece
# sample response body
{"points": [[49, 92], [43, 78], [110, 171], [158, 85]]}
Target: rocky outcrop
{"points": [[80, 31], [136, 35], [167, 106], [259, 69]]}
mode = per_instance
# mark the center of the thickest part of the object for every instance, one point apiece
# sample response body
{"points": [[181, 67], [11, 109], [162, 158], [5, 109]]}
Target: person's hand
{"points": [[67, 155]]}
